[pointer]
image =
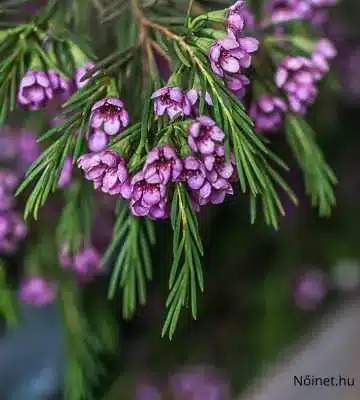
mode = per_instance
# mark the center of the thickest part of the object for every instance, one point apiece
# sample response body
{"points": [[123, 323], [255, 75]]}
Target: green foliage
{"points": [[186, 274], [75, 223], [83, 368], [319, 177], [7, 308], [132, 238]]}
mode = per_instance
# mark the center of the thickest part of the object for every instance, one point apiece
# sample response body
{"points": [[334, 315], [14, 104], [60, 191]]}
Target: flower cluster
{"points": [[108, 172], [297, 75], [268, 112], [206, 170], [231, 55], [38, 88], [206, 173], [85, 262], [149, 186], [287, 10]]}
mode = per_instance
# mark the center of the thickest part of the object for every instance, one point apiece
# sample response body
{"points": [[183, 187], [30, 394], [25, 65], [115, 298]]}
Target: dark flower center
{"points": [[165, 99], [109, 110]]}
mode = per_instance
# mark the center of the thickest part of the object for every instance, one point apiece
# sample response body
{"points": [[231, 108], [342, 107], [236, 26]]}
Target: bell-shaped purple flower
{"points": [[195, 176], [162, 165], [80, 72], [35, 90], [231, 55], [323, 52], [237, 83], [172, 101], [203, 135], [268, 113], [219, 173], [87, 262], [12, 231], [37, 291], [66, 173], [109, 115], [148, 199], [107, 170], [8, 183], [296, 75], [98, 140], [238, 17]]}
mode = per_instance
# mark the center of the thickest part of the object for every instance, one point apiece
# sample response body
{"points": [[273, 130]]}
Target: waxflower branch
{"points": [[178, 149]]}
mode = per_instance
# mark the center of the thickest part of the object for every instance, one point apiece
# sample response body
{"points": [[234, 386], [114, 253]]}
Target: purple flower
{"points": [[230, 55], [12, 231], [35, 90], [286, 10], [323, 51], [87, 262], [310, 289], [203, 135], [162, 165], [107, 170], [238, 17], [8, 183], [296, 76], [268, 113], [61, 87], [195, 176], [98, 140], [80, 72], [109, 115], [219, 174], [237, 83], [148, 198], [37, 291], [171, 100], [66, 173]]}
